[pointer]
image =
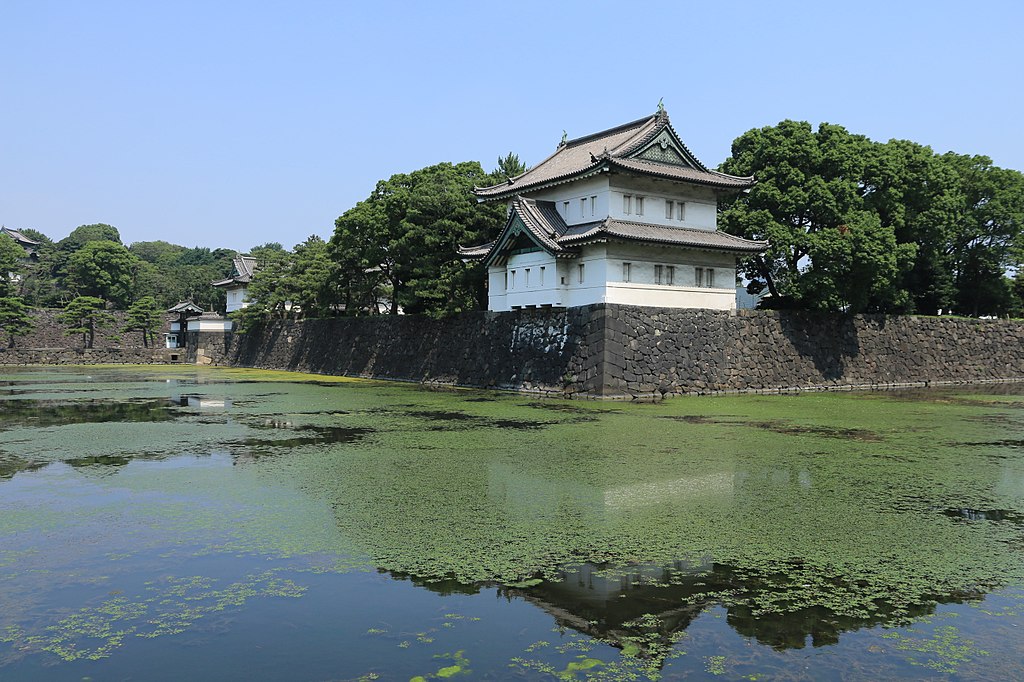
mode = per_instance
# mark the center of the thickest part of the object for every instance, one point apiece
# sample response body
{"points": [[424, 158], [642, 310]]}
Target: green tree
{"points": [[808, 204], [312, 279], [86, 315], [15, 318], [404, 238], [509, 166], [11, 265], [1017, 307], [146, 316], [102, 269], [83, 234]]}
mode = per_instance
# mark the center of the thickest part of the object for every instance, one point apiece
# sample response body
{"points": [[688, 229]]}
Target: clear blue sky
{"points": [[236, 123]]}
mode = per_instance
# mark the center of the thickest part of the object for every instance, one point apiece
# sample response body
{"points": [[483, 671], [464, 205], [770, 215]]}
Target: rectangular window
{"points": [[541, 283], [670, 275], [593, 205], [639, 205], [626, 267], [579, 270], [711, 277], [680, 211], [657, 274], [627, 203], [513, 282], [698, 277], [669, 205], [506, 280], [583, 207], [565, 210], [526, 277]]}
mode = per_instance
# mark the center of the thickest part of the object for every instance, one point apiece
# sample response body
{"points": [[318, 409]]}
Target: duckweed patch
{"points": [[945, 651], [779, 523], [169, 606]]}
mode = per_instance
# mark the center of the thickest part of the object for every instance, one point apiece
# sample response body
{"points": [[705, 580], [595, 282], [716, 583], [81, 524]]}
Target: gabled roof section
{"points": [[713, 240], [648, 145], [242, 270], [19, 237], [540, 222], [537, 221], [185, 307]]}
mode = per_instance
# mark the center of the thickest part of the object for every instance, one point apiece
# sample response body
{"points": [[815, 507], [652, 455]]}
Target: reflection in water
{"points": [[305, 435], [42, 413], [651, 606], [796, 520]]}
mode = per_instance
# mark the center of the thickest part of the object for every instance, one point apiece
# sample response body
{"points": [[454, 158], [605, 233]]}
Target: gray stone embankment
{"points": [[622, 352]]}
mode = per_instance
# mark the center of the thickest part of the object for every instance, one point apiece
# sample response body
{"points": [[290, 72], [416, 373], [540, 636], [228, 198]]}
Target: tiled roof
{"points": [[701, 177], [19, 237], [659, 234], [614, 148], [476, 251], [186, 307], [243, 269], [545, 224]]}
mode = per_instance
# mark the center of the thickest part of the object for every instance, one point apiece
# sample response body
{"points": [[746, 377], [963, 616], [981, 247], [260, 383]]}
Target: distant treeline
{"points": [[853, 225]]}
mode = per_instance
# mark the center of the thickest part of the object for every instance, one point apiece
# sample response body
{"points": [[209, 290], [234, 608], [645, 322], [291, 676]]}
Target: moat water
{"points": [[185, 523]]}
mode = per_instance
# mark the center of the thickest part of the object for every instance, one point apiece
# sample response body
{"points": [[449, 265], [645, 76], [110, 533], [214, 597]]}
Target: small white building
{"points": [[237, 285], [626, 215]]}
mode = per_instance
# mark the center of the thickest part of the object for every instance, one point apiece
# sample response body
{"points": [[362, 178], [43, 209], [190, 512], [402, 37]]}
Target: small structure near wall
{"points": [[237, 285], [627, 215], [192, 318], [182, 312]]}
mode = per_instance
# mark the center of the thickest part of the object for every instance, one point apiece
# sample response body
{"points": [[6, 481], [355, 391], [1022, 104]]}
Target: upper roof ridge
{"points": [[610, 131]]}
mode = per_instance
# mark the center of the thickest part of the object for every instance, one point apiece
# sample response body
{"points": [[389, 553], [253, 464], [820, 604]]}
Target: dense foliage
{"points": [[396, 250], [853, 225], [858, 225]]}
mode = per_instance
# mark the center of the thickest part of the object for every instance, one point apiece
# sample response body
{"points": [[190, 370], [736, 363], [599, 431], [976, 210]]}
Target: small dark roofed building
{"points": [[189, 317], [237, 285], [30, 245], [627, 215]]}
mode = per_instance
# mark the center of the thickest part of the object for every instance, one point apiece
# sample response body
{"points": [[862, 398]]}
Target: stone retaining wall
{"points": [[48, 332], [94, 356], [613, 351], [546, 351], [655, 351]]}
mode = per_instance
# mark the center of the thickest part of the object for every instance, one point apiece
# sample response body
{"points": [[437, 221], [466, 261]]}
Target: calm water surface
{"points": [[171, 524]]}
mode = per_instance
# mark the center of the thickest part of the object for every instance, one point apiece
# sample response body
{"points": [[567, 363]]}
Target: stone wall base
{"points": [[627, 352]]}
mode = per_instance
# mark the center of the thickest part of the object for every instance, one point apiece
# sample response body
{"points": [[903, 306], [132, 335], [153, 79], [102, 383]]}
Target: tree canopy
{"points": [[400, 243], [103, 269], [857, 225]]}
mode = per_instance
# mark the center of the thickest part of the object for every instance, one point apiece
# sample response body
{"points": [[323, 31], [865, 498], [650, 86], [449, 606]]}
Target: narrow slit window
{"points": [[626, 267], [513, 280], [541, 276], [681, 211], [583, 207], [593, 205], [670, 275], [627, 203], [579, 271], [711, 278], [506, 281], [698, 277], [657, 274], [565, 210], [669, 206], [526, 277], [639, 205]]}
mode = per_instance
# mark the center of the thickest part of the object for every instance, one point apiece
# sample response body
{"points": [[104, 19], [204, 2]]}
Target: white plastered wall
{"points": [[583, 201], [701, 204]]}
